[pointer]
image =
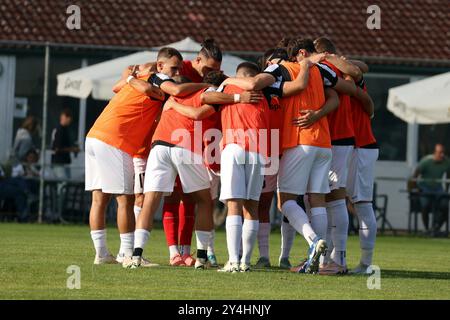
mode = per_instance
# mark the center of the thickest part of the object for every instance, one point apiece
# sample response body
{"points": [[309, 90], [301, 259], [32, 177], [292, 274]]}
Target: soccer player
{"points": [[115, 137], [176, 150], [179, 208], [306, 152], [342, 140]]}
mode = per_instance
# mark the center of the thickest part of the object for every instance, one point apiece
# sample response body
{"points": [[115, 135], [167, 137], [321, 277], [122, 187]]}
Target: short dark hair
{"points": [[295, 45], [215, 78], [250, 67], [210, 49], [181, 79], [323, 44], [168, 52], [283, 43], [67, 112], [279, 53]]}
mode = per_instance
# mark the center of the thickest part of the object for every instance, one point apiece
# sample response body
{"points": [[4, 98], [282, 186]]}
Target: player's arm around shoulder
{"points": [[191, 112], [182, 89]]}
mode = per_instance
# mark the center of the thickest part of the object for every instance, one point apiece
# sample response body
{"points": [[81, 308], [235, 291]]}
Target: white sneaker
{"points": [[108, 259], [147, 264], [360, 269], [132, 262], [200, 263], [243, 267], [232, 267]]}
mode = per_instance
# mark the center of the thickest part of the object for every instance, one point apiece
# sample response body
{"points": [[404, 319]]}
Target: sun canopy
{"points": [[425, 101], [99, 79]]}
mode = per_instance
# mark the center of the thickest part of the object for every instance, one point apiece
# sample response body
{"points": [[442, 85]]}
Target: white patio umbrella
{"points": [[98, 79], [425, 101]]}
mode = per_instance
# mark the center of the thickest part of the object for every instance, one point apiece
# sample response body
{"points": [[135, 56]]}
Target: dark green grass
{"points": [[34, 259]]}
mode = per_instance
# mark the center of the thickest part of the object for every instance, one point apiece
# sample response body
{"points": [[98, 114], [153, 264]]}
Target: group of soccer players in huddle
{"points": [[184, 134]]}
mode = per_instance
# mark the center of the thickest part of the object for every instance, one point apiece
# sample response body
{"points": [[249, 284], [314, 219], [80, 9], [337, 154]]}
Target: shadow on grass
{"points": [[405, 274]]}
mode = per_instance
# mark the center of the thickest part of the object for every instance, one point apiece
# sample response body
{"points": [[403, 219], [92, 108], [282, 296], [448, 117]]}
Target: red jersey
{"points": [[188, 71], [340, 120], [362, 123]]}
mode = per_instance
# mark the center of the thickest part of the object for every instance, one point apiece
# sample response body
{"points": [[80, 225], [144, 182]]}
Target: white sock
{"points": [[324, 259], [99, 239], [202, 239], [137, 210], [126, 244], [249, 235], [287, 239], [263, 239], [233, 226], [339, 233], [367, 231], [298, 219], [211, 243], [319, 221], [140, 238], [173, 251]]}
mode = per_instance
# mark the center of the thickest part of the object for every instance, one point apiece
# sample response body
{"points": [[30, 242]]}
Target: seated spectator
{"points": [[23, 142], [429, 174], [13, 189], [28, 170]]}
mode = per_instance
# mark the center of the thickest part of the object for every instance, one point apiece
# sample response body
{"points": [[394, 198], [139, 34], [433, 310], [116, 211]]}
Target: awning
{"points": [[425, 101], [99, 79]]}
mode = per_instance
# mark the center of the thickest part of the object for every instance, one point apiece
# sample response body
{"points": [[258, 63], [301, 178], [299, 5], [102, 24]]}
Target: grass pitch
{"points": [[34, 260]]}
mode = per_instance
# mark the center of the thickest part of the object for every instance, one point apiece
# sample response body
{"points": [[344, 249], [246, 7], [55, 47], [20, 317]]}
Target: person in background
{"points": [[63, 145], [23, 142], [14, 189], [428, 173]]}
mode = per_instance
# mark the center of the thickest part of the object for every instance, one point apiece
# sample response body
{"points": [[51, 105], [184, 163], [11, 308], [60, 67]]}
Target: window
{"points": [[390, 131]]}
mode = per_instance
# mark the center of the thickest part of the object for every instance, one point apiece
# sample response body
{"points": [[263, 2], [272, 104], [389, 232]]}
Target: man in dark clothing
{"points": [[63, 145]]}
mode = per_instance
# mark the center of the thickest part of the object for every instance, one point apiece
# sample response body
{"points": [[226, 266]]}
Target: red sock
{"points": [[186, 223], [170, 223]]}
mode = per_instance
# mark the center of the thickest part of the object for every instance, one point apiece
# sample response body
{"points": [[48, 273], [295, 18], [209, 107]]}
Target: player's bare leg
{"points": [[97, 224]]}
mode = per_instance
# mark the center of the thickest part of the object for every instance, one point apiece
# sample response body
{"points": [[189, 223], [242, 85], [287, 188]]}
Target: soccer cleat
{"points": [[231, 267], [177, 260], [147, 264], [108, 259], [213, 261], [243, 267], [188, 260], [132, 262], [360, 269], [332, 268], [299, 268], [284, 263], [262, 262], [200, 263], [318, 247]]}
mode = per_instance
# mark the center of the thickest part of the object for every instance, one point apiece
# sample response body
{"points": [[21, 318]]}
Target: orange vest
{"points": [[311, 98], [126, 120]]}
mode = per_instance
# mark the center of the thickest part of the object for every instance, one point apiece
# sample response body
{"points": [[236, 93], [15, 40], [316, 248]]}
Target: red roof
{"points": [[410, 29]]}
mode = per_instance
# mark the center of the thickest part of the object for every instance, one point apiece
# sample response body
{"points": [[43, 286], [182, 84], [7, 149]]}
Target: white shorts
{"points": [[340, 161], [304, 169], [270, 183], [165, 163], [139, 174], [107, 168], [361, 174], [241, 174], [214, 179]]}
